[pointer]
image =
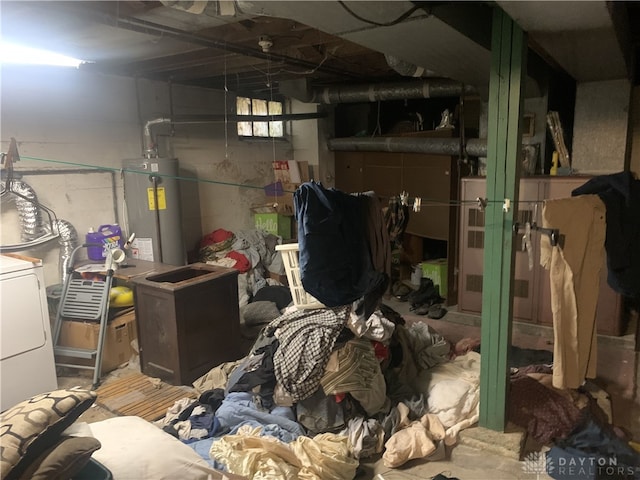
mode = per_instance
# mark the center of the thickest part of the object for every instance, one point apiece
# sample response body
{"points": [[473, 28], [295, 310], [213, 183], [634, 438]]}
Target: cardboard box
{"points": [[117, 343], [436, 270], [289, 174], [280, 197], [282, 204], [274, 223], [291, 171]]}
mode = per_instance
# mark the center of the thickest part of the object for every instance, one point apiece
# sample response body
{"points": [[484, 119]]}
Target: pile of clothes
{"points": [[251, 252], [331, 382]]}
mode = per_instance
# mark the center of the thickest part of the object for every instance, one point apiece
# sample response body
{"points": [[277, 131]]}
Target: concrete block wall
{"points": [[600, 127], [71, 119]]}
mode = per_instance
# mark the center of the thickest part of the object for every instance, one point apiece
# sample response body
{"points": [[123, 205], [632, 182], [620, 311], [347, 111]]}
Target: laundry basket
{"points": [[301, 298]]}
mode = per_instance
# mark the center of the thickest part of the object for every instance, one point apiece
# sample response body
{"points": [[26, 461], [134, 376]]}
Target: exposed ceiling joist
{"points": [[324, 42]]}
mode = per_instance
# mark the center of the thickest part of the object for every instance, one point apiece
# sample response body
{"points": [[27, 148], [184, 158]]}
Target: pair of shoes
{"points": [[427, 294], [432, 311]]}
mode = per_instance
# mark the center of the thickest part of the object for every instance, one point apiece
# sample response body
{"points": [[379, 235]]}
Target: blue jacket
{"points": [[335, 260]]}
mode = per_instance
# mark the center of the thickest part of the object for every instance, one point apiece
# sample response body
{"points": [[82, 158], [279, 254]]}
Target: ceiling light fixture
{"points": [[11, 53], [265, 43]]}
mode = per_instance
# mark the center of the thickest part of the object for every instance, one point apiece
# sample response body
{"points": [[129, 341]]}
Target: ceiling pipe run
{"points": [[150, 147], [474, 147], [390, 91]]}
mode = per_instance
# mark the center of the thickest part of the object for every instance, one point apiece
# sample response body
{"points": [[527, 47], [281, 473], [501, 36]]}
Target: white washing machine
{"points": [[27, 366]]}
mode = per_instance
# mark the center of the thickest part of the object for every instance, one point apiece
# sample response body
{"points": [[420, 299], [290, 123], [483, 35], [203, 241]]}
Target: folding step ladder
{"points": [[84, 300]]}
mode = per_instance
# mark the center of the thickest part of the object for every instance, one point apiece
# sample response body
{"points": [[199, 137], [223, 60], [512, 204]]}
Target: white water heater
{"points": [[152, 195]]}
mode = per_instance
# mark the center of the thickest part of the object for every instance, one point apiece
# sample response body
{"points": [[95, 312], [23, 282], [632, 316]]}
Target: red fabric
{"points": [[217, 236], [242, 263], [546, 414], [381, 351]]}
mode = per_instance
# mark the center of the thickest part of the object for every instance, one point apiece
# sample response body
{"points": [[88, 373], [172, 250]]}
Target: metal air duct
{"points": [[475, 147], [32, 228], [390, 91], [26, 202], [407, 69], [68, 241]]}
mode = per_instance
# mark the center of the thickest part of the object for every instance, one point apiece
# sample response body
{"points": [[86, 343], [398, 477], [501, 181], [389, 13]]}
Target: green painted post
{"points": [[508, 62]]}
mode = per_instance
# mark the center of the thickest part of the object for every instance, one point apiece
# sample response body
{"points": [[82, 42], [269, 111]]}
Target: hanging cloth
{"points": [[396, 218], [575, 281], [620, 192], [338, 257]]}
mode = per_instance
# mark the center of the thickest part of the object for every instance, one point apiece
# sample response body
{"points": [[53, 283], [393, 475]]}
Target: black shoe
{"points": [[421, 310], [436, 312], [427, 294]]}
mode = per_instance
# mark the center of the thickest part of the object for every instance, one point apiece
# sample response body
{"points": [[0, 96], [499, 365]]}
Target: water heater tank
{"points": [[152, 195]]}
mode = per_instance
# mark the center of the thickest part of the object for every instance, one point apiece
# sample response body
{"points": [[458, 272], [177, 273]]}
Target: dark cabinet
{"points": [[188, 321]]}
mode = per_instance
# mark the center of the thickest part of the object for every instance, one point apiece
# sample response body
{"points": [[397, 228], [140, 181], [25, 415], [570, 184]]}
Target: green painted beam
{"points": [[508, 61]]}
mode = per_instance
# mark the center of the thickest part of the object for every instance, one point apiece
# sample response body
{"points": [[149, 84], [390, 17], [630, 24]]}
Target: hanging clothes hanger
{"points": [[554, 233]]}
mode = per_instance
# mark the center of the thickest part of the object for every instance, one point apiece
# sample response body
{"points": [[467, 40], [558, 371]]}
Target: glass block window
{"points": [[256, 106]]}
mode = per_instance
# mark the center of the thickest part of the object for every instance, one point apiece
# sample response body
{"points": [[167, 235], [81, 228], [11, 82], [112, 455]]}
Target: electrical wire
{"points": [[306, 72], [284, 70], [379, 24]]}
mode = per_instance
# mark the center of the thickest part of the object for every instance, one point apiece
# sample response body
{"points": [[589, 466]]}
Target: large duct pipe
{"points": [[391, 91], [407, 69], [33, 228], [475, 147], [26, 203], [68, 241]]}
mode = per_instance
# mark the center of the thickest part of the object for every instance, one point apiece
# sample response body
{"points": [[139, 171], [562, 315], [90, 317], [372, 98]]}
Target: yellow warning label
{"points": [[162, 201]]}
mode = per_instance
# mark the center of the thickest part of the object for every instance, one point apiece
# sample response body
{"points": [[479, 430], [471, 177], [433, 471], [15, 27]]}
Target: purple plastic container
{"points": [[109, 236]]}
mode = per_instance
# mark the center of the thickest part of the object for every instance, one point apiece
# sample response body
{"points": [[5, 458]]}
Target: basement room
{"points": [[331, 240]]}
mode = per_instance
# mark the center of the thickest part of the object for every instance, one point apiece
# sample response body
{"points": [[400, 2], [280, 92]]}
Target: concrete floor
{"points": [[616, 384]]}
